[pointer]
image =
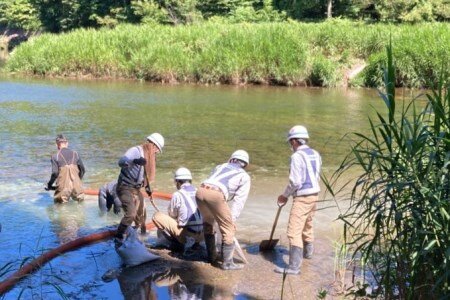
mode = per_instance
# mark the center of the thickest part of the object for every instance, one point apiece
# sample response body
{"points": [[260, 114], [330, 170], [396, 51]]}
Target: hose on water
{"points": [[70, 246]]}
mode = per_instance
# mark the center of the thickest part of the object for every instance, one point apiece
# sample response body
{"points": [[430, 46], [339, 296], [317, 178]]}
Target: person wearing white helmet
{"points": [[183, 219], [137, 170], [304, 187], [227, 182]]}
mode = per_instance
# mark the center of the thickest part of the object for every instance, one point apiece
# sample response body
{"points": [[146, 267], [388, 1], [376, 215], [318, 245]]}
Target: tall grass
{"points": [[399, 215], [287, 53]]}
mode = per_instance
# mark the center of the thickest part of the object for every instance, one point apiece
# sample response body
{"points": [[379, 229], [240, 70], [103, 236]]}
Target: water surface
{"points": [[202, 126]]}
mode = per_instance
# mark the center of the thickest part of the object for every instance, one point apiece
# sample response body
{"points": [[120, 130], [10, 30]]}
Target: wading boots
{"points": [[308, 251], [228, 263], [210, 242], [295, 261]]}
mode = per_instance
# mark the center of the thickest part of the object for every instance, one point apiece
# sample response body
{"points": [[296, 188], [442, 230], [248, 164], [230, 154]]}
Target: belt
{"points": [[210, 187]]}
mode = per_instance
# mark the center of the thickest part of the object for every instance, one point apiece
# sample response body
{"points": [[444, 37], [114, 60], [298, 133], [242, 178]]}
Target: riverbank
{"points": [[289, 53]]}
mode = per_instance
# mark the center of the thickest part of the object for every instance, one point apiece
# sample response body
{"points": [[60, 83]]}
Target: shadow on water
{"points": [[274, 256]]}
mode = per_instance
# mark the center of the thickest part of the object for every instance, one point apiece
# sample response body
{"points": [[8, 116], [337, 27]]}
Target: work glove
{"points": [[140, 161], [148, 190]]}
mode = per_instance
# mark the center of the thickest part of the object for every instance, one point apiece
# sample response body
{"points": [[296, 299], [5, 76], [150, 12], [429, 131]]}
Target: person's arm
{"points": [[240, 197], [174, 206], [296, 176], [81, 168], [55, 172], [130, 158]]}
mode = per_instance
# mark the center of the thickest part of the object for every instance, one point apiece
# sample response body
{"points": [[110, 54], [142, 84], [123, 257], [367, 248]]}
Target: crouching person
{"points": [[183, 219], [228, 181], [107, 198]]}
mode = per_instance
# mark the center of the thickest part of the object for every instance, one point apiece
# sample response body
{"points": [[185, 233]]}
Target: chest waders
{"points": [[69, 183]]}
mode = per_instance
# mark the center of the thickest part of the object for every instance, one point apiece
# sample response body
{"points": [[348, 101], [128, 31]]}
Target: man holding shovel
{"points": [[304, 187]]}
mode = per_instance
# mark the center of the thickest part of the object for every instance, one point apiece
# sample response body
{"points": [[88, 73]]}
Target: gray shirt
{"points": [[131, 174]]}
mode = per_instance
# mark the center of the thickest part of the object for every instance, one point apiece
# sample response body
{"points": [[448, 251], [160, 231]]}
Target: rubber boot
{"points": [[121, 231], [118, 238], [295, 261], [308, 251], [228, 264], [210, 242]]}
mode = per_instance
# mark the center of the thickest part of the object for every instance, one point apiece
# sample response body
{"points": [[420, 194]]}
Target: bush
{"points": [[323, 72]]}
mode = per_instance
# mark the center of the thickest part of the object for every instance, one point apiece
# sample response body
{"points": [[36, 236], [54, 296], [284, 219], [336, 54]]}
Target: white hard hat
{"points": [[183, 174], [156, 139], [298, 132], [241, 155]]}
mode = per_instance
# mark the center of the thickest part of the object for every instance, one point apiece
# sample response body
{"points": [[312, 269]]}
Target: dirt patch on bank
{"points": [[178, 274]]}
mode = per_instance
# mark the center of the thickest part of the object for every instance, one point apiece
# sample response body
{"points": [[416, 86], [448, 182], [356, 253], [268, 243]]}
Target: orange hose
{"points": [[47, 256], [72, 245], [155, 194]]}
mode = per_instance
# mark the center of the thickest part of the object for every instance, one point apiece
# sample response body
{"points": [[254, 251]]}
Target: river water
{"points": [[202, 126]]}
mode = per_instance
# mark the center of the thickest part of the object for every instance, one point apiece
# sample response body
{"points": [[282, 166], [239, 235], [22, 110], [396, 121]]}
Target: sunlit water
{"points": [[202, 126]]}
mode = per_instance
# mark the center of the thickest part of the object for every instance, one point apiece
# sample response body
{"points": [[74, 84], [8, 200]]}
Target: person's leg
{"points": [[141, 213], [222, 213], [297, 219], [208, 224], [308, 230], [166, 223], [129, 204]]}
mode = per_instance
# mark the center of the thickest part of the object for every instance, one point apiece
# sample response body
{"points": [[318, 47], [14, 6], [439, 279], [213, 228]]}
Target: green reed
{"points": [[398, 220]]}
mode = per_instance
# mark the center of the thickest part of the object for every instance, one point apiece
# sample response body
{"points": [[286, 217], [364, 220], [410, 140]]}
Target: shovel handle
{"points": [[276, 221]]}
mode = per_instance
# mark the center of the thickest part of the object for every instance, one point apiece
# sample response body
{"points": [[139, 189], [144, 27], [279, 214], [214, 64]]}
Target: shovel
{"points": [[269, 244]]}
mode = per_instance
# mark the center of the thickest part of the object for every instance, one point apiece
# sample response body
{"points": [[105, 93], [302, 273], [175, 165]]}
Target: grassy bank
{"points": [[275, 53]]}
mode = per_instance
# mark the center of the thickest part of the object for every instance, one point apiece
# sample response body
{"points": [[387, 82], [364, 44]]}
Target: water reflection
{"points": [[179, 286], [152, 281], [66, 219]]}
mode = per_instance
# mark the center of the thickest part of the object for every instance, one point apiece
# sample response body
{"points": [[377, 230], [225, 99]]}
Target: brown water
{"points": [[202, 126]]}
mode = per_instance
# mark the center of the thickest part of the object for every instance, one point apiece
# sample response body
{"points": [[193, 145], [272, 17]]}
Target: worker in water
{"points": [[183, 220], [138, 167], [67, 171], [304, 187], [107, 198], [228, 181]]}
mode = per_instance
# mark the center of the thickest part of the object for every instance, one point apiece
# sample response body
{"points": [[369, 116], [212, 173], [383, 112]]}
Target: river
{"points": [[202, 126]]}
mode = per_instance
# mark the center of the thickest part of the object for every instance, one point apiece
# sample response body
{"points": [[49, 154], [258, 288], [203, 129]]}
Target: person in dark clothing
{"points": [[67, 171], [137, 170], [107, 198]]}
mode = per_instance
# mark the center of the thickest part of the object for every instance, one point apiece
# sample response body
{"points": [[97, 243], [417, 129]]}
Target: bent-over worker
{"points": [[107, 198], [67, 171], [304, 187], [228, 181]]}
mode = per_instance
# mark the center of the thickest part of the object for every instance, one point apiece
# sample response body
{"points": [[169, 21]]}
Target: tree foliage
{"points": [[65, 15]]}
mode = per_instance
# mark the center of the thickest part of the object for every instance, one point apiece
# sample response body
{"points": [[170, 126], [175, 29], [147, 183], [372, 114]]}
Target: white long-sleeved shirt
{"points": [[304, 174], [234, 182], [183, 207]]}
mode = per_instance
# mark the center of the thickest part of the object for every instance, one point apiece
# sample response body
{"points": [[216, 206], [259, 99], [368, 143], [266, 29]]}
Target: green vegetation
{"points": [[287, 53], [399, 215], [65, 15]]}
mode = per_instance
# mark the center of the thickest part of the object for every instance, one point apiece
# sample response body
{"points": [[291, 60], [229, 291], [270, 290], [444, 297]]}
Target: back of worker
{"points": [[67, 171]]}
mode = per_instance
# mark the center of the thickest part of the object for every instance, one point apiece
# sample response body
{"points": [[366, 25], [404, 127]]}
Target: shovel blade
{"points": [[267, 245]]}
